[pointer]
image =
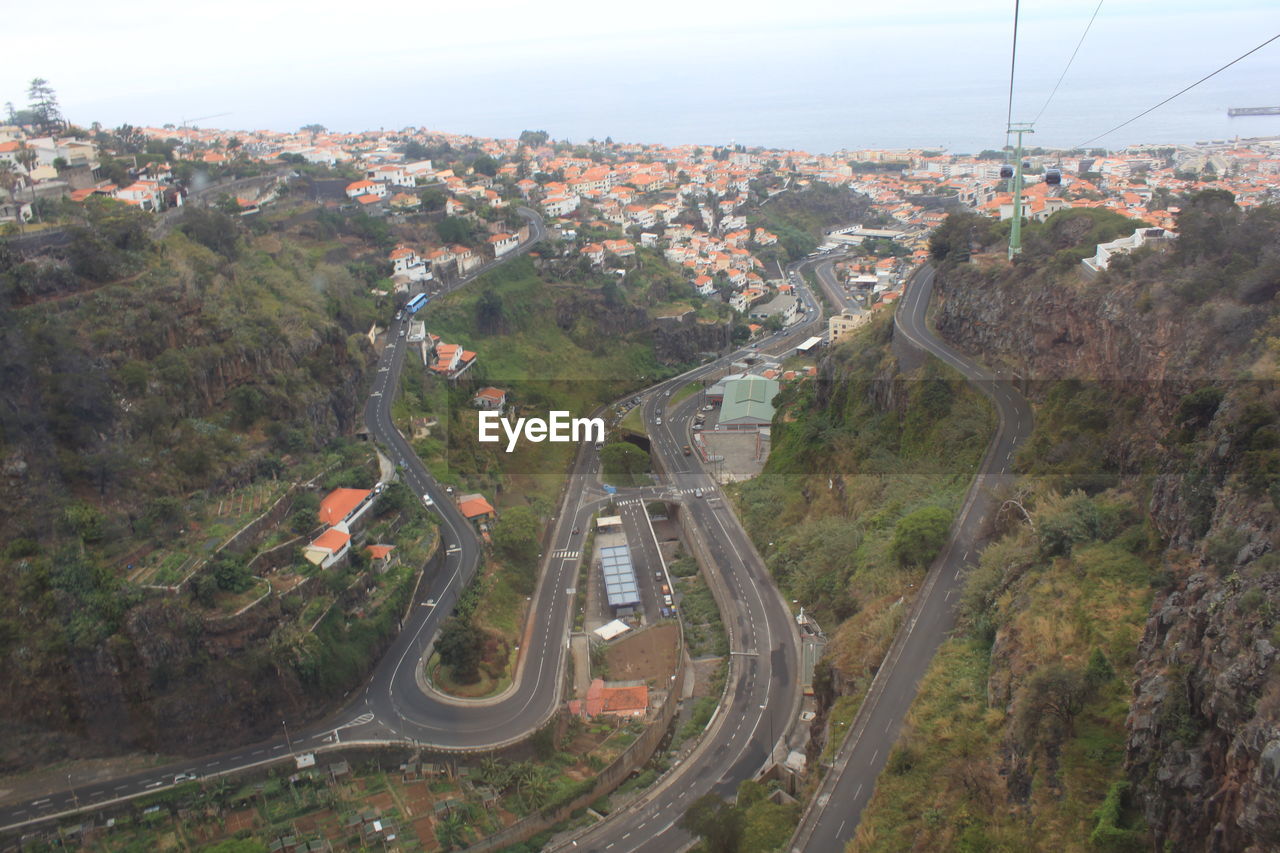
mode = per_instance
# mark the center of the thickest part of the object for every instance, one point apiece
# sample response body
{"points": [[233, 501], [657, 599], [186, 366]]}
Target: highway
{"points": [[832, 816], [396, 706], [763, 686]]}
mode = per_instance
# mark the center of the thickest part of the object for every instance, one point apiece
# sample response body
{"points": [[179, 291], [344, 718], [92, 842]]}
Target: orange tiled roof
{"points": [[333, 539], [475, 506], [339, 503]]}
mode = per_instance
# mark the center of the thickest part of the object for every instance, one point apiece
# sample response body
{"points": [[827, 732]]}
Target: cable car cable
{"points": [[1182, 92], [1013, 64], [1063, 76]]}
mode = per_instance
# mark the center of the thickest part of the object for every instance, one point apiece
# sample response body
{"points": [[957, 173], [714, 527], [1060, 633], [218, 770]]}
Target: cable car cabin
{"points": [[1026, 165], [1053, 177], [1006, 172]]}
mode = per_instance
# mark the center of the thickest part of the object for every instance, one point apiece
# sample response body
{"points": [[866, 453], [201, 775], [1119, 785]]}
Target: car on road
{"points": [[576, 531], [184, 777], [666, 599], [687, 450], [657, 421], [697, 493], [426, 501]]}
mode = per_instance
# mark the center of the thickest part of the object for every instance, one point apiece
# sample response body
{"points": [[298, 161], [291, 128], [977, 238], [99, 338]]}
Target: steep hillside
{"points": [[153, 397], [1115, 685], [869, 463]]}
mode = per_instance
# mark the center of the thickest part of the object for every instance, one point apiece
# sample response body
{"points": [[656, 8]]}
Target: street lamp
{"points": [[286, 736]]}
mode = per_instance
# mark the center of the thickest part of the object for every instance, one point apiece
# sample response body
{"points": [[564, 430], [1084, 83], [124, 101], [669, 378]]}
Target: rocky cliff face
{"points": [[682, 339], [1204, 726]]}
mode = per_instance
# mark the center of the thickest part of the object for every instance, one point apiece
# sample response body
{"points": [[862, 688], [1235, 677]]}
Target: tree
{"points": [[451, 831], [432, 199], [127, 139], [485, 165], [918, 536], [231, 573], [44, 104], [459, 647], [515, 537], [454, 229], [534, 138], [623, 463], [213, 229], [490, 314], [717, 823], [313, 129]]}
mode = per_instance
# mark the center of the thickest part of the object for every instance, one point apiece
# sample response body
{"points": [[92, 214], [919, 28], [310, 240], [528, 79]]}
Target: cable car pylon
{"points": [[1015, 231]]}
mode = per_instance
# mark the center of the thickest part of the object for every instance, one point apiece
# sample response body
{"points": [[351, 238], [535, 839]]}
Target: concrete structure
{"points": [[840, 326], [784, 306], [344, 506], [329, 547], [748, 402], [620, 586], [1139, 238]]}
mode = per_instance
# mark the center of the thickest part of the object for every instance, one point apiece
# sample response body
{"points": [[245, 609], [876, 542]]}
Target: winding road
{"points": [[395, 707], [832, 816], [762, 688]]}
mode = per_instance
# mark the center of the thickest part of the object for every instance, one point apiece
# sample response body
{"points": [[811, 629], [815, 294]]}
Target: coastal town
{"points": [[698, 206]]}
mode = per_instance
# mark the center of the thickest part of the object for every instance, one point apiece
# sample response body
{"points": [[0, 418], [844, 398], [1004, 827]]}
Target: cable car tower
{"points": [[1015, 230]]}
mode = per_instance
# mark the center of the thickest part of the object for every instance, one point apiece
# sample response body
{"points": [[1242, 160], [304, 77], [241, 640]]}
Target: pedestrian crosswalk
{"points": [[566, 554]]}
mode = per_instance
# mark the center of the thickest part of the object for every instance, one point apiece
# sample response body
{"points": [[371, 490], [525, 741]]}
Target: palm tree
{"points": [[9, 178], [536, 788], [26, 156], [451, 830], [495, 772]]}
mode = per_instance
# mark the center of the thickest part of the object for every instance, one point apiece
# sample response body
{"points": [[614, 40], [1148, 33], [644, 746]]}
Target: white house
{"points": [[561, 205], [359, 188], [1139, 238], [503, 243], [329, 547]]}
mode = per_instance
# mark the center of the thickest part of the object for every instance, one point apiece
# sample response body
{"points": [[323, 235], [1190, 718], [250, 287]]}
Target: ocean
{"points": [[811, 86]]}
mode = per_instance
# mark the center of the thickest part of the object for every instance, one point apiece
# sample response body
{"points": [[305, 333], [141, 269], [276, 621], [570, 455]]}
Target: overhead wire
{"points": [[1063, 75], [1013, 65], [1180, 92]]}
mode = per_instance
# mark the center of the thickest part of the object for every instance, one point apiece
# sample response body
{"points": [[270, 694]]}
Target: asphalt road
{"points": [[832, 816], [762, 693], [393, 705]]}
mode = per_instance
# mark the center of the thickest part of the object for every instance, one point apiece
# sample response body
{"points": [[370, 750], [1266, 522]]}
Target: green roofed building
{"points": [[748, 402]]}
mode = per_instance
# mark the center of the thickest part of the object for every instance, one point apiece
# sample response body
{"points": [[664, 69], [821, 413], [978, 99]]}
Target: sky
{"points": [[803, 73]]}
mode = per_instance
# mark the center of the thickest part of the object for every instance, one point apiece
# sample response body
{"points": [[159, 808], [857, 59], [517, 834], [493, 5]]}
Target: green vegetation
{"points": [[852, 491], [1037, 721], [800, 218], [704, 633], [624, 464], [166, 392], [754, 824], [918, 537]]}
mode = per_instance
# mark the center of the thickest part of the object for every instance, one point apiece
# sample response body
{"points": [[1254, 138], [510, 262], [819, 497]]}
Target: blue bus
{"points": [[415, 303]]}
